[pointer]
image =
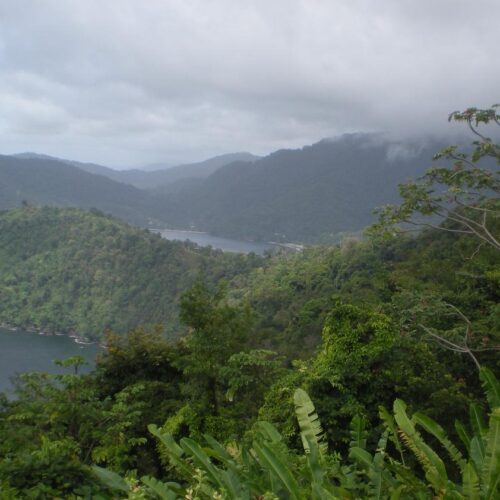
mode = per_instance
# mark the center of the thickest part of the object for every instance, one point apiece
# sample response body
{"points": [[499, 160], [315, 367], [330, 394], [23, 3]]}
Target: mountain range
{"points": [[300, 195], [152, 176], [297, 195], [41, 181]]}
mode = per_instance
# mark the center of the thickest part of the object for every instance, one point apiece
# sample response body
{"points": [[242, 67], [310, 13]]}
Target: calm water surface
{"points": [[225, 244], [22, 351]]}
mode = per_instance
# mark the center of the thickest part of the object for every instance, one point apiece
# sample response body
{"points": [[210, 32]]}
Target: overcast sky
{"points": [[128, 82]]}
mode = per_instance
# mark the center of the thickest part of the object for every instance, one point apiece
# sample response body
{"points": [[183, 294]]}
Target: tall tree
{"points": [[464, 194]]}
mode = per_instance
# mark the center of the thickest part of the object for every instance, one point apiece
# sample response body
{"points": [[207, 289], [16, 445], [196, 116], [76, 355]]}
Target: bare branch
{"points": [[451, 346], [476, 251], [433, 226], [483, 138], [474, 207]]}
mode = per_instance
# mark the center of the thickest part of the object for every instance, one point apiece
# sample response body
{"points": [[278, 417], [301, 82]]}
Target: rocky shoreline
{"points": [[78, 339]]}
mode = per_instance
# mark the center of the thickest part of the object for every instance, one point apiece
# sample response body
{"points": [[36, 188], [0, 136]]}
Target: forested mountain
{"points": [[70, 270], [159, 179], [300, 195], [51, 182], [337, 335], [156, 176], [353, 314], [92, 168], [304, 195]]}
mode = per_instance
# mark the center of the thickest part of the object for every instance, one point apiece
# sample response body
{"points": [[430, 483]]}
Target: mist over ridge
{"points": [[308, 194]]}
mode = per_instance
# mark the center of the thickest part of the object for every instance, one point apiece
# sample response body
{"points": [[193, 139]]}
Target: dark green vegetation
{"points": [[234, 368], [267, 465], [290, 380], [70, 270], [308, 195], [171, 179], [155, 176], [52, 182], [302, 195]]}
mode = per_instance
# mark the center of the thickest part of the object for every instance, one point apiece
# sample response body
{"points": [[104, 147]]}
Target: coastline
{"points": [[78, 339]]}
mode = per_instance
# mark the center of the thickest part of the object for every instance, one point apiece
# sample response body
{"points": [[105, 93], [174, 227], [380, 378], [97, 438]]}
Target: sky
{"points": [[131, 82]]}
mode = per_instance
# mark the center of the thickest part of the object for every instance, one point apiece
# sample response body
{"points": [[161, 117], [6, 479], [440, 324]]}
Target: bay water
{"points": [[22, 351], [224, 244]]}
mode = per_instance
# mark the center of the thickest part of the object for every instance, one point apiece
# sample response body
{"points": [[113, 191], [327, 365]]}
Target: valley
{"points": [[306, 195], [249, 250]]}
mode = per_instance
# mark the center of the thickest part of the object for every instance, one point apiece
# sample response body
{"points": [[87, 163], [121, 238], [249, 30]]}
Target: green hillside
{"points": [[305, 194], [155, 176], [39, 181], [71, 270], [344, 323], [363, 370]]}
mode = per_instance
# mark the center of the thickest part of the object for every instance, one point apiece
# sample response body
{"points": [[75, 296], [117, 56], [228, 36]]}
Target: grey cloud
{"points": [[125, 82]]}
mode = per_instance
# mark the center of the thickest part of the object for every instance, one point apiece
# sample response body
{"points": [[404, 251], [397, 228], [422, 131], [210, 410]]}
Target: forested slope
{"points": [[156, 176], [301, 195], [39, 181], [354, 315], [71, 270]]}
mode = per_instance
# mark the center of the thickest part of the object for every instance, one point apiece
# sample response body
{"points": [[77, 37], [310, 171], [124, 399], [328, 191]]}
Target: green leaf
{"points": [[310, 427], [491, 387], [361, 456], [358, 432], [390, 424], [435, 470], [490, 474], [314, 464], [470, 482], [463, 434], [477, 452], [438, 432], [268, 431], [378, 475], [166, 491], [279, 470], [200, 457], [320, 493], [477, 420], [111, 479], [217, 450], [174, 451]]}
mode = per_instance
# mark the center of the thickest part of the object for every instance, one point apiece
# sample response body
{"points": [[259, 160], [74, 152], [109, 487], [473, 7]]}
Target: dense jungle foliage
{"points": [[74, 271], [348, 324], [366, 370]]}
